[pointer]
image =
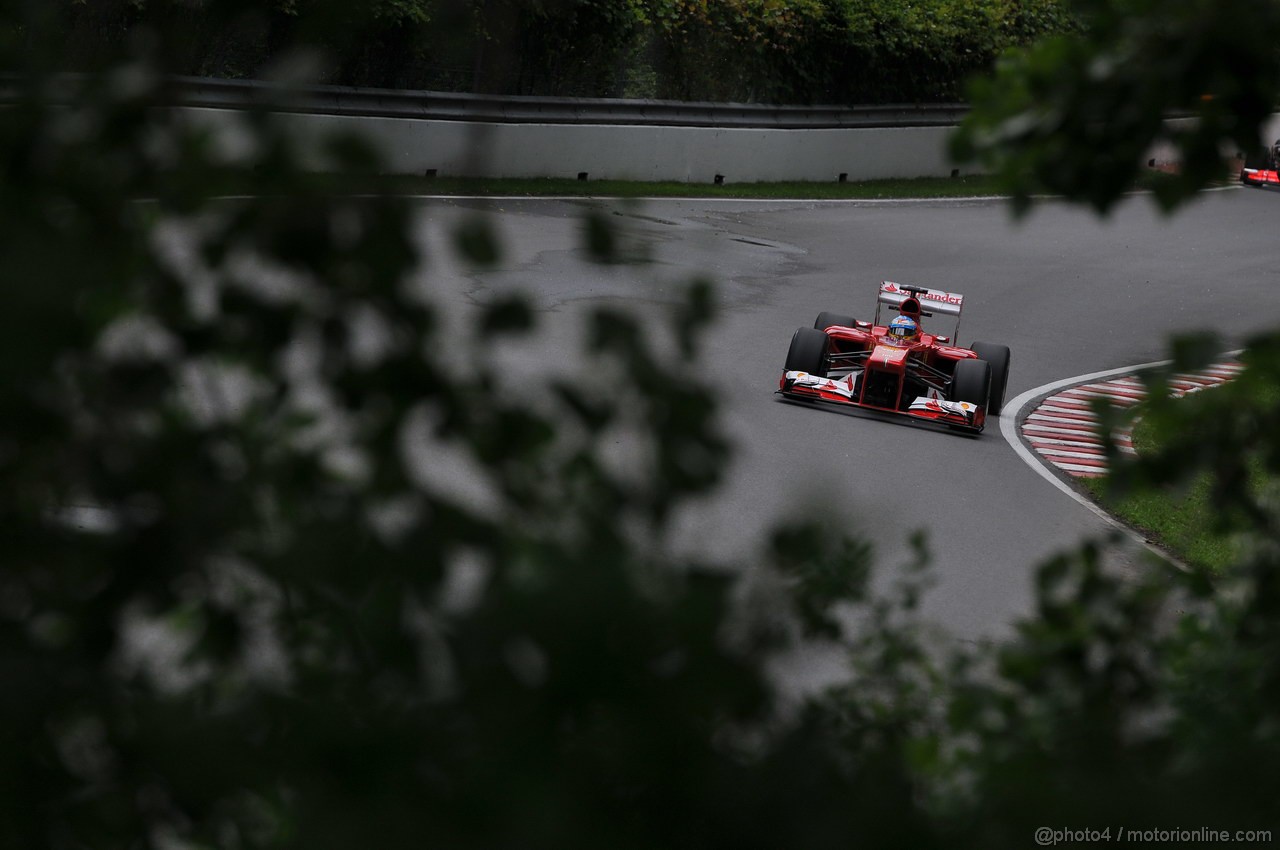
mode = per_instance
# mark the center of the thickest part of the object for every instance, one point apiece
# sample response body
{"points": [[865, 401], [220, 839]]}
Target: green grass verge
{"points": [[925, 187], [922, 187], [1179, 520]]}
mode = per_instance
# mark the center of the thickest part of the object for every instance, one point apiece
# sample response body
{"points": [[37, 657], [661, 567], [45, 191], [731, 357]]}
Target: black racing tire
{"points": [[826, 320], [998, 357], [971, 382], [808, 352]]}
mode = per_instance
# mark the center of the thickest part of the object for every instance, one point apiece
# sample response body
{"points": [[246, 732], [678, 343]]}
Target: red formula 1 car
{"points": [[925, 376], [1260, 177], [1260, 168]]}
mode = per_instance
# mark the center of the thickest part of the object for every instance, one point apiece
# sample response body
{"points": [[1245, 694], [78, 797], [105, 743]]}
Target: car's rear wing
{"points": [[930, 301]]}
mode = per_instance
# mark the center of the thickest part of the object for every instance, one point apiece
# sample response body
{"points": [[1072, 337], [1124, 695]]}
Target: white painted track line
{"points": [[1009, 430]]}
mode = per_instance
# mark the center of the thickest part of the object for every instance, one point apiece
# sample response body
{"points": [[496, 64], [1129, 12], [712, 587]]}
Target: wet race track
{"points": [[1069, 293]]}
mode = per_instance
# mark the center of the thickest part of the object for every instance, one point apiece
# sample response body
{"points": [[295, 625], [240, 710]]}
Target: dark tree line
{"points": [[773, 51]]}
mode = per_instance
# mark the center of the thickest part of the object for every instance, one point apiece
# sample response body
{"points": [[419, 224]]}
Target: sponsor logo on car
{"points": [[935, 295], [943, 407], [942, 297]]}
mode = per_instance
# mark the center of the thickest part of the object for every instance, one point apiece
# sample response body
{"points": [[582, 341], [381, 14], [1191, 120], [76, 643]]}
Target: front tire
{"points": [[808, 352], [826, 320], [971, 382], [998, 357]]}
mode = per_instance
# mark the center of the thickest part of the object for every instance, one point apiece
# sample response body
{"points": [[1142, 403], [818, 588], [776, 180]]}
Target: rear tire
{"points": [[971, 382], [826, 320], [808, 352], [998, 357]]}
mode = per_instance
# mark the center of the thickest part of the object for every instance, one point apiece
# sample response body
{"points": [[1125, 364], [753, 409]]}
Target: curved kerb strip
{"points": [[1063, 440]]}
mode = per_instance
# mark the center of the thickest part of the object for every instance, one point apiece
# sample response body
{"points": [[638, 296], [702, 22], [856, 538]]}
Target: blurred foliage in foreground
{"points": [[1077, 114], [284, 567]]}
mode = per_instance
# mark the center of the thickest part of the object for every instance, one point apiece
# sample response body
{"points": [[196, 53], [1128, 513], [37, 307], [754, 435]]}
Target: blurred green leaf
{"points": [[601, 243], [476, 241], [508, 315]]}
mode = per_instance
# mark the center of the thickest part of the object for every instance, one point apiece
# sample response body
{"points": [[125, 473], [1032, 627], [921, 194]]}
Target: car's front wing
{"points": [[961, 414], [1260, 176]]}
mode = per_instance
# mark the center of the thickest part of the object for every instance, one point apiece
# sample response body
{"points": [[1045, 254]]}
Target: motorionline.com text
{"points": [[1049, 836]]}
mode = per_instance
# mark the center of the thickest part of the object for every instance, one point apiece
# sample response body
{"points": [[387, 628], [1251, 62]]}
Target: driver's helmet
{"points": [[903, 330]]}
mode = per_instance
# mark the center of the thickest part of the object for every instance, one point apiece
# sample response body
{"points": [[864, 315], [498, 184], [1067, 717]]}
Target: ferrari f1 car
{"points": [[922, 375], [1260, 168]]}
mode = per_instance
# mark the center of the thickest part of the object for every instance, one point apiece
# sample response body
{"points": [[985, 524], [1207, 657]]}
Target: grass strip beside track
{"points": [[974, 186], [1179, 520], [925, 187]]}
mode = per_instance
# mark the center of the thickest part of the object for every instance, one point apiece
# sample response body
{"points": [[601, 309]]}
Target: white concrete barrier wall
{"points": [[634, 152], [682, 154]]}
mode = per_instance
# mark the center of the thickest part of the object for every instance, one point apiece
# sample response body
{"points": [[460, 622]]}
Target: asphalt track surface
{"points": [[1069, 293]]}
